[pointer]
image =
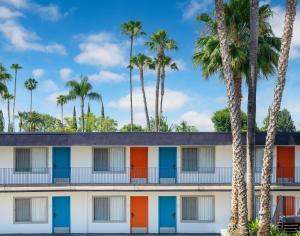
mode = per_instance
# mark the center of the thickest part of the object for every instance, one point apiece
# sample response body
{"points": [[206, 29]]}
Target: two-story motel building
{"points": [[130, 182]]}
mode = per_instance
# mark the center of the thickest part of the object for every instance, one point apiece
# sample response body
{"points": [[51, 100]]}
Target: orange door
{"points": [[285, 164], [139, 214], [139, 163], [288, 205]]}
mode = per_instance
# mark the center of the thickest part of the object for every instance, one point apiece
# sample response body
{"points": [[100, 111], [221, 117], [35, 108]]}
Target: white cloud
{"points": [[49, 86], [49, 12], [100, 50], [6, 13], [65, 73], [24, 40], [277, 23], [52, 97], [173, 100], [194, 7], [201, 120], [37, 73], [106, 76]]}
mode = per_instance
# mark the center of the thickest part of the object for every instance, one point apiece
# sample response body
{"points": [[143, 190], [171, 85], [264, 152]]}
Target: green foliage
{"points": [[184, 127], [285, 122], [253, 226], [106, 124], [2, 123], [135, 128], [221, 121], [277, 232], [164, 126], [37, 122], [31, 84]]}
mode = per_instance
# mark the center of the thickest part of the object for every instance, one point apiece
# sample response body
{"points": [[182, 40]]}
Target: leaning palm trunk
{"points": [[159, 62], [162, 90], [238, 154], [82, 114], [252, 105], [30, 101], [130, 82], [8, 115], [265, 210], [62, 114], [144, 96], [14, 102]]}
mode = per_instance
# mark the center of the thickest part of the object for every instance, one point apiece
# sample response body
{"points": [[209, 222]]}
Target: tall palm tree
{"points": [[141, 61], [82, 90], [7, 96], [274, 113], [31, 85], [208, 56], [61, 100], [252, 81], [235, 119], [102, 107], [132, 29], [159, 42], [21, 116], [15, 67], [166, 62], [4, 77]]}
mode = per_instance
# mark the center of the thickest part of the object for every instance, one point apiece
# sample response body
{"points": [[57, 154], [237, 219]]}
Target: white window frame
{"points": [[109, 169], [198, 157], [198, 221], [31, 172], [30, 222], [109, 220]]}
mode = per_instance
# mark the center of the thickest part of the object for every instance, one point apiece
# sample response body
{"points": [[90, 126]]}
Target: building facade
{"points": [[131, 182]]}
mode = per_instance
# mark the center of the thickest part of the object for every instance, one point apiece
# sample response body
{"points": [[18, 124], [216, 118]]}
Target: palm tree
{"points": [[102, 107], [252, 81], [235, 120], [166, 62], [160, 42], [132, 29], [274, 113], [21, 116], [141, 61], [82, 90], [31, 85], [208, 56], [7, 96], [15, 67], [61, 100], [183, 126], [4, 77], [34, 120]]}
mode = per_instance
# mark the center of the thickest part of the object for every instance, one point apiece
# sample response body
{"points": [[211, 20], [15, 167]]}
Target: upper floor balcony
{"points": [[135, 176]]}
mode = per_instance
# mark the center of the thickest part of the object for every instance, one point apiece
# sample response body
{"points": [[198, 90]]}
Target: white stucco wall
{"points": [[82, 208]]}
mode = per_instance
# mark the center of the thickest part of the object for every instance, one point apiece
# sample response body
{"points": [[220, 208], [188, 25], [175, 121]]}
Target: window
{"points": [[198, 209], [198, 159], [31, 160], [259, 154], [31, 210], [109, 209], [109, 159]]}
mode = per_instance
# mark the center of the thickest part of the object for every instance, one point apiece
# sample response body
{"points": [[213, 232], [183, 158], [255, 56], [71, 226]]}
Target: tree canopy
{"points": [[285, 122]]}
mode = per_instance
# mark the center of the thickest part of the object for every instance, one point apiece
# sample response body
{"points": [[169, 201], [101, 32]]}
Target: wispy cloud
{"points": [[21, 39], [100, 49], [65, 73], [48, 12], [107, 76], [49, 86], [201, 120], [193, 7], [38, 73], [277, 23], [6, 13]]}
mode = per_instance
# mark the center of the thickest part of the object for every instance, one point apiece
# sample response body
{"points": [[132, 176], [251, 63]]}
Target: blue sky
{"points": [[56, 41]]}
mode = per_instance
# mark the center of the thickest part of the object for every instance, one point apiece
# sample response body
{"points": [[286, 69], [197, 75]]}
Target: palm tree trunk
{"points": [[82, 114], [144, 96], [159, 57], [8, 115], [162, 91], [252, 78], [130, 81], [62, 114], [30, 101], [265, 210], [238, 153], [15, 93]]}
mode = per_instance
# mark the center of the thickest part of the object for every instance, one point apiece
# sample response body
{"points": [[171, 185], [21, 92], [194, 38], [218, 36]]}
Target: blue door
{"points": [[167, 214], [61, 164], [167, 164], [61, 214]]}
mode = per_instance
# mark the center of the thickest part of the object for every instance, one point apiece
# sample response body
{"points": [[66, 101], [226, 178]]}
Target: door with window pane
{"points": [[61, 214], [139, 164]]}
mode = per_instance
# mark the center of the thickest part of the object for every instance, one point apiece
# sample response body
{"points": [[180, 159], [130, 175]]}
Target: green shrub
{"points": [[253, 226]]}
